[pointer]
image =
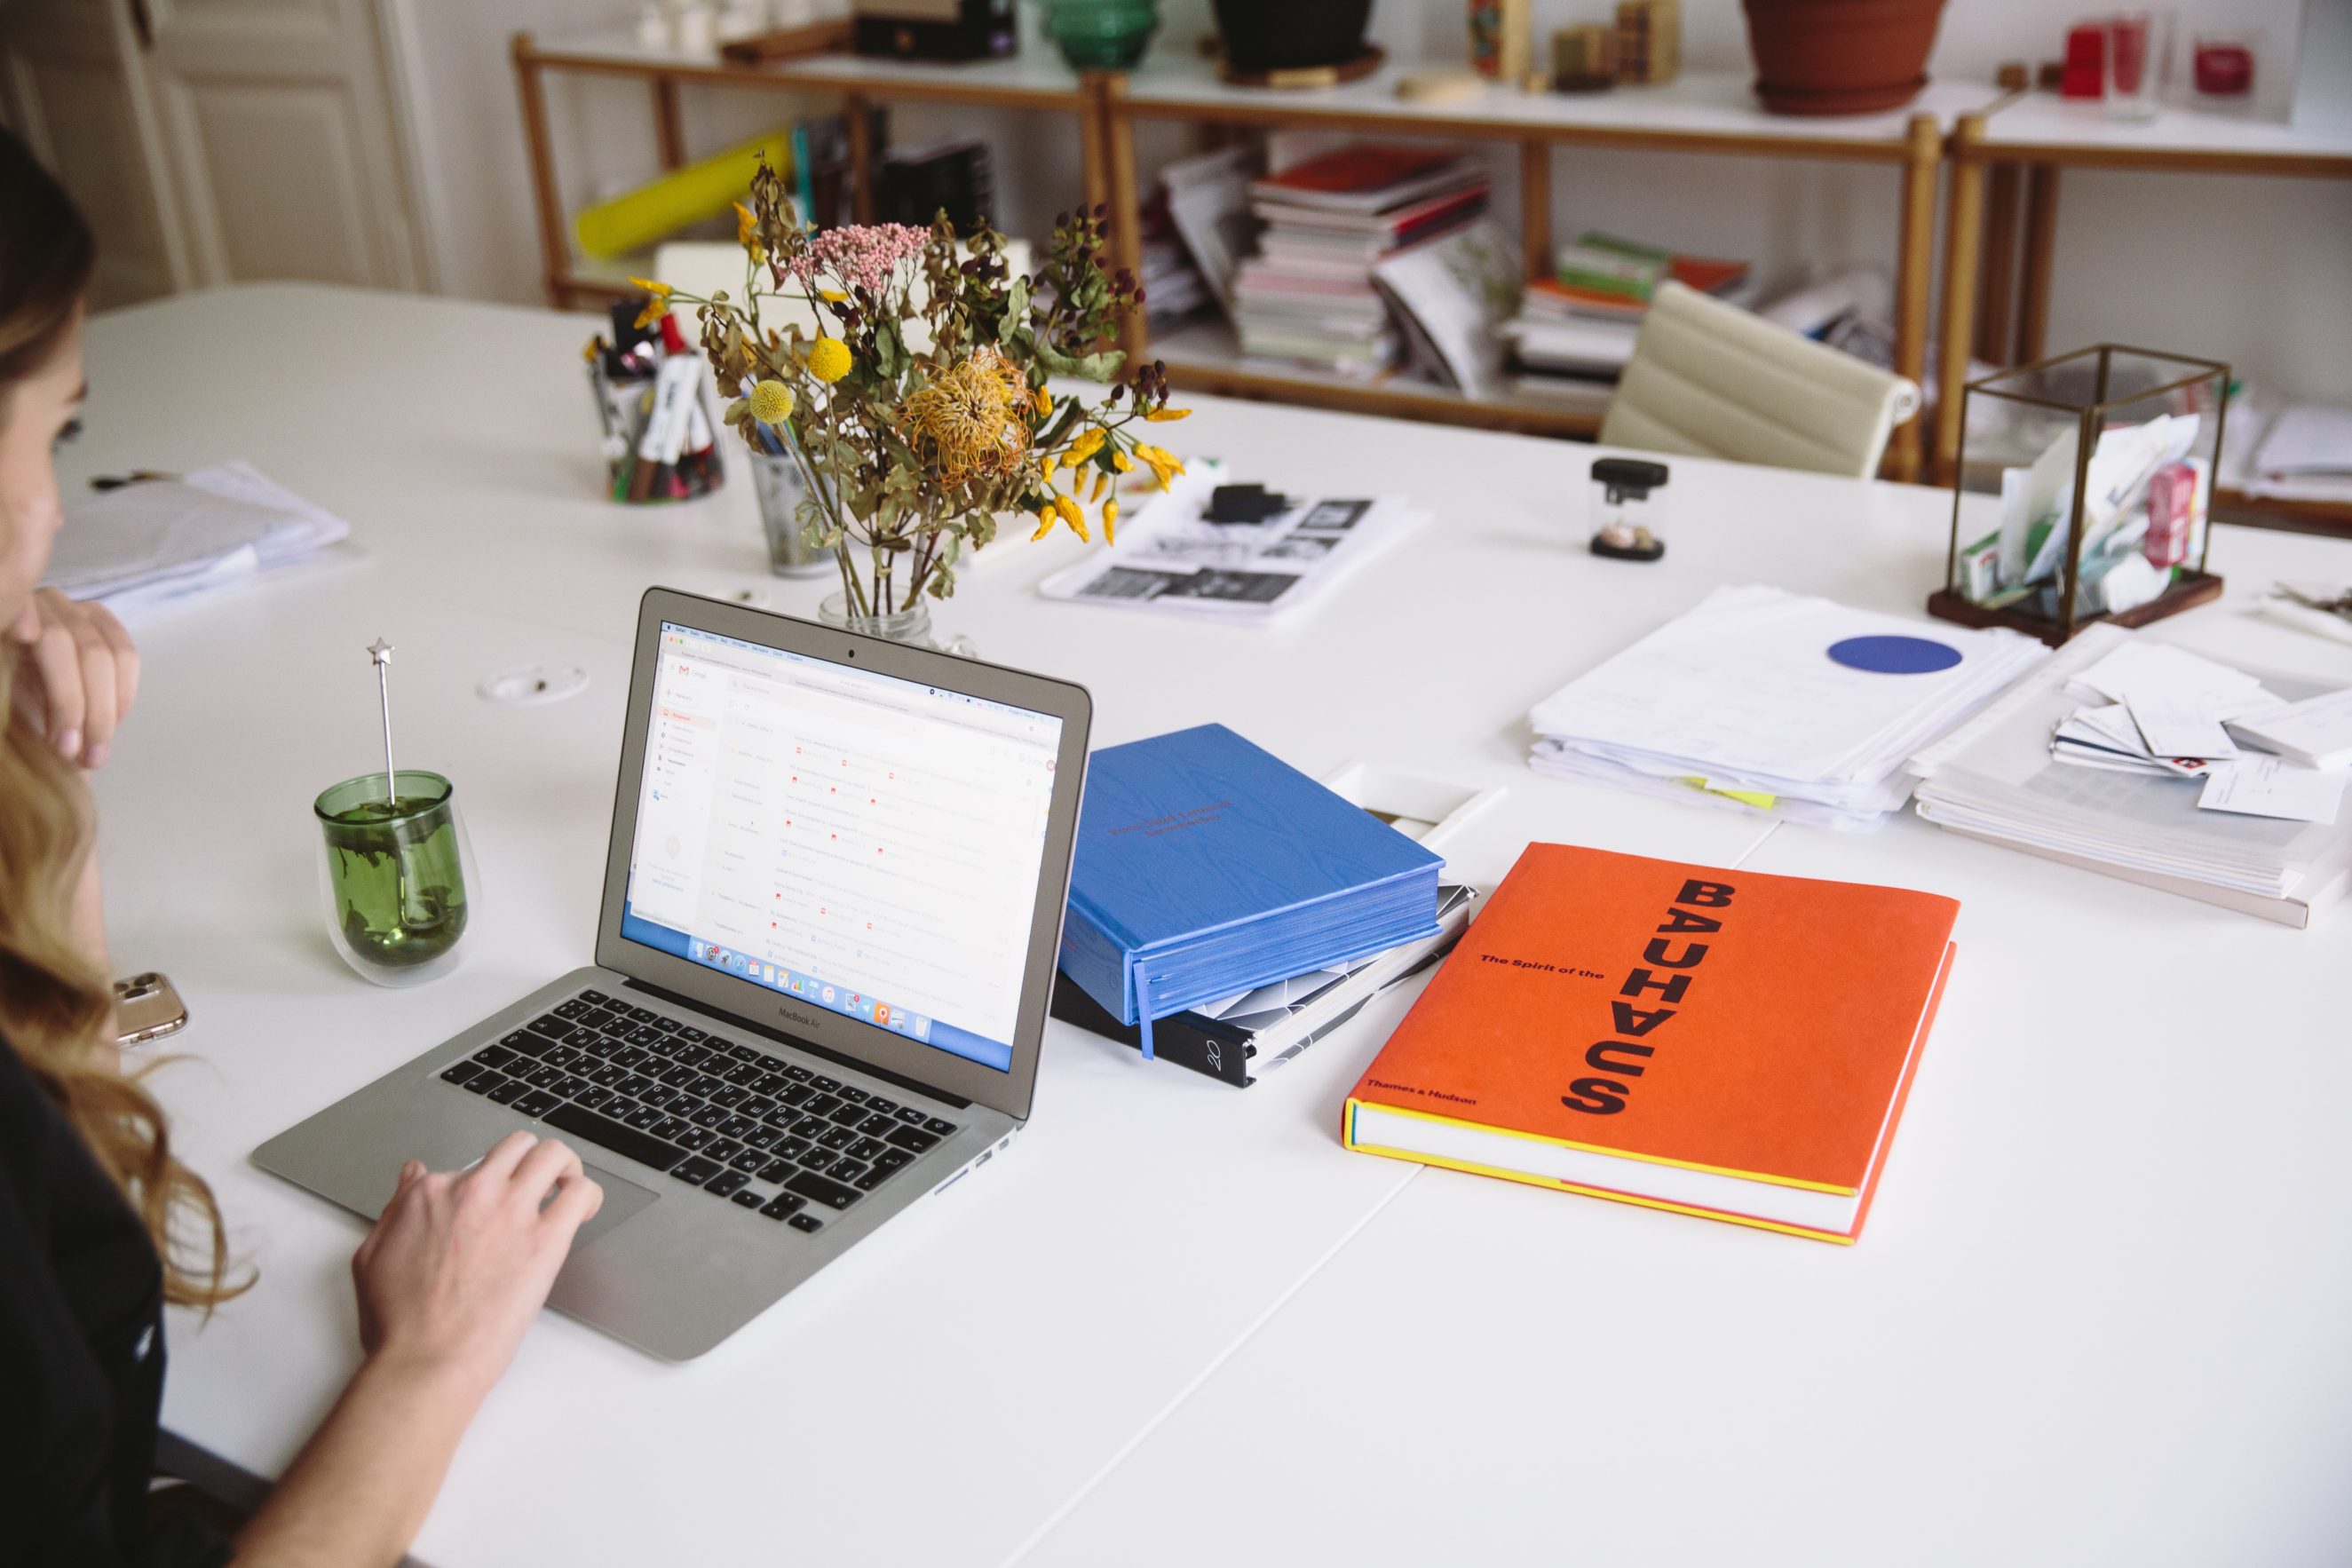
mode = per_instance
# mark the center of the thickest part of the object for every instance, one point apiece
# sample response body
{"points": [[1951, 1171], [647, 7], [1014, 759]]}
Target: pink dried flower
{"points": [[860, 256]]}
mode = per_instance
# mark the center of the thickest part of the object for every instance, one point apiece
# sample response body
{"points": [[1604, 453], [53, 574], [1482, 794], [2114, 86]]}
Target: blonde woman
{"points": [[101, 1225]]}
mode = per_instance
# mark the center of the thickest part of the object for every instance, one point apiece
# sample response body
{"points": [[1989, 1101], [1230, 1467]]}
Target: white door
{"points": [[70, 86], [278, 129]]}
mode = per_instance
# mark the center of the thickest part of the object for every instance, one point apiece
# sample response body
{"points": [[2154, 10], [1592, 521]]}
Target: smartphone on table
{"points": [[147, 1008]]}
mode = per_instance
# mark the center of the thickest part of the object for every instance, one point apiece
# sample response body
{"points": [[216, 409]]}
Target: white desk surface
{"points": [[2100, 1297]]}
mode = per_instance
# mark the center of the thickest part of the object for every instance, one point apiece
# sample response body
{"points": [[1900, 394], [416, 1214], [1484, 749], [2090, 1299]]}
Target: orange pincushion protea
{"points": [[972, 421]]}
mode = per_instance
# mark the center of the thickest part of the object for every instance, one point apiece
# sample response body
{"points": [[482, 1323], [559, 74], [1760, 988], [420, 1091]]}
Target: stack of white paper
{"points": [[2249, 832], [163, 541], [2306, 455], [1769, 700]]}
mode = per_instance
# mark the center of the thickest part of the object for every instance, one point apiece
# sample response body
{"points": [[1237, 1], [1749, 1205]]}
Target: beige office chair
{"points": [[1710, 380]]}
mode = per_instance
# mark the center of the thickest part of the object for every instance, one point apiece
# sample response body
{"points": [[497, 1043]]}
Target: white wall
{"points": [[2257, 271]]}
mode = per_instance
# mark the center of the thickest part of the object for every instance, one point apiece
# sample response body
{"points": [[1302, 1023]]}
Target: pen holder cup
{"points": [[396, 879], [660, 436], [777, 482]]}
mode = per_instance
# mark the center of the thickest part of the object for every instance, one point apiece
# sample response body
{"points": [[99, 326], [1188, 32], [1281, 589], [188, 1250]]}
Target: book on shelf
{"points": [[1578, 328], [1722, 1042], [1310, 294], [1365, 177], [1566, 392], [1261, 284], [1602, 272], [1450, 295], [1173, 287], [1572, 347], [1350, 356], [951, 174], [1387, 229], [1611, 268], [821, 164], [1240, 1039], [1208, 207], [1206, 867]]}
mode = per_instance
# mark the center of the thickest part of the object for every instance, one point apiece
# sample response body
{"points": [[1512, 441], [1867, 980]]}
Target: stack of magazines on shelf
{"points": [[1307, 295], [1174, 289], [1575, 330], [2083, 763]]}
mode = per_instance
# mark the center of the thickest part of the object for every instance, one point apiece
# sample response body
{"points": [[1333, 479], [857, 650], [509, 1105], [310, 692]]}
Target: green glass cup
{"points": [[397, 876]]}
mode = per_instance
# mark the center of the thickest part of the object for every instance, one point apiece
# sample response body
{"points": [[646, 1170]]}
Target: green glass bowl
{"points": [[1102, 35], [397, 878]]}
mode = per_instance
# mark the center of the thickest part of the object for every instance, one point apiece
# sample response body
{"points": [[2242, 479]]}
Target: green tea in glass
{"points": [[397, 874]]}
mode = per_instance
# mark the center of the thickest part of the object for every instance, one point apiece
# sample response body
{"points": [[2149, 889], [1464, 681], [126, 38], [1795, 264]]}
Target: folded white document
{"points": [[164, 541], [2179, 726], [2316, 733], [2271, 786], [2159, 670]]}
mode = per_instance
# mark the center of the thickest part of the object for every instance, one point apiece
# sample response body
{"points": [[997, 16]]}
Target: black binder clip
{"points": [[1245, 504]]}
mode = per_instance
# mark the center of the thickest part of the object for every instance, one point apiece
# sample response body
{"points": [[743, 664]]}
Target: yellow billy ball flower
{"points": [[828, 359], [771, 402]]}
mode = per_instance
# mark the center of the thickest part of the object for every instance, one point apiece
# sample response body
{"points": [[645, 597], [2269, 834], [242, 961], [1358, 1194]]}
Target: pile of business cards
{"points": [[2159, 710]]}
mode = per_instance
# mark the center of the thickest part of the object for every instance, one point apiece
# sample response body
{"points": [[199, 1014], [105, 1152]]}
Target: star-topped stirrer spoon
{"points": [[398, 871], [380, 652]]}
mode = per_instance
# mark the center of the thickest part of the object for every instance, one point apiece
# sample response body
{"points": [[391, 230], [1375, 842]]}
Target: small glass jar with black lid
{"points": [[1629, 508]]}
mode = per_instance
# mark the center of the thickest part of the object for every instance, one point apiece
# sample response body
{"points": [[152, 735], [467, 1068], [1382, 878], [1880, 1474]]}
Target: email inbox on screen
{"points": [[859, 842]]}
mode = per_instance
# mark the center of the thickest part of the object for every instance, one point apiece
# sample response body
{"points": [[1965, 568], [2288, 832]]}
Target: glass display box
{"points": [[2083, 490]]}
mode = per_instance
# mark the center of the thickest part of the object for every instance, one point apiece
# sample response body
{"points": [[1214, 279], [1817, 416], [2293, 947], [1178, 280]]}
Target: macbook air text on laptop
{"points": [[833, 897]]}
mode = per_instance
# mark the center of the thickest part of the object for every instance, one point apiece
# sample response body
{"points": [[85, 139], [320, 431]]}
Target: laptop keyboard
{"points": [[752, 1129]]}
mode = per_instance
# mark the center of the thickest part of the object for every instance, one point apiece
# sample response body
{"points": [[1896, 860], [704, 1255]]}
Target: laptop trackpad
{"points": [[622, 1198]]}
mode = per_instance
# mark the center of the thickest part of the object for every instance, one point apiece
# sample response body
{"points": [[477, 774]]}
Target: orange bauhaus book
{"points": [[1720, 1043]]}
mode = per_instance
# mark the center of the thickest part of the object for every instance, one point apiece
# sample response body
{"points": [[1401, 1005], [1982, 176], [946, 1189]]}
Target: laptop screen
{"points": [[862, 843]]}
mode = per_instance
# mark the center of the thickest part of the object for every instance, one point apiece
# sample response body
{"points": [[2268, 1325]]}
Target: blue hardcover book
{"points": [[1206, 867]]}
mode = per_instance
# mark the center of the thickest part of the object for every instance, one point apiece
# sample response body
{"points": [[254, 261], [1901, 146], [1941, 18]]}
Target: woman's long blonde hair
{"points": [[56, 1010]]}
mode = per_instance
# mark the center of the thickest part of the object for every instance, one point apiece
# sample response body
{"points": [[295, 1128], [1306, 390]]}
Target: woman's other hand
{"points": [[85, 674]]}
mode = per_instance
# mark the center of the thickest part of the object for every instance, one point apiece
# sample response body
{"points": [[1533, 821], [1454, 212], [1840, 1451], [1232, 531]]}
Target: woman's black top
{"points": [[81, 1353]]}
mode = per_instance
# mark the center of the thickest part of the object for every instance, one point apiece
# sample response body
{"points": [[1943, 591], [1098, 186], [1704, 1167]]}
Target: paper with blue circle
{"points": [[1894, 655]]}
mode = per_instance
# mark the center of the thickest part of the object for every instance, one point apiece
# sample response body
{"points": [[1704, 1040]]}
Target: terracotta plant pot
{"points": [[1839, 57], [1292, 34]]}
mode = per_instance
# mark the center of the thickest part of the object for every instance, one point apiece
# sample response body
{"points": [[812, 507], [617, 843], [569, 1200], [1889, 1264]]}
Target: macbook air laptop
{"points": [[833, 897]]}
